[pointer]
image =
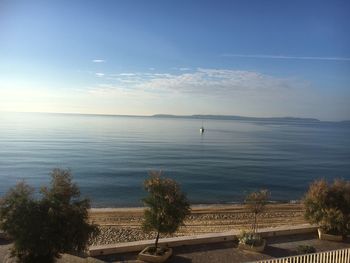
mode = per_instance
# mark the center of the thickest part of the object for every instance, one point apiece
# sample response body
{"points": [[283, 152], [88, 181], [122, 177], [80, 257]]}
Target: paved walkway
{"points": [[5, 256], [228, 252]]}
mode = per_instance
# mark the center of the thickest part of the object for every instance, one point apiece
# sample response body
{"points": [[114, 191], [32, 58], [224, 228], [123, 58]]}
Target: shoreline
{"points": [[193, 206], [124, 224]]}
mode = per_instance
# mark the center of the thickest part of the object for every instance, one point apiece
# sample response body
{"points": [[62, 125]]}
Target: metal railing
{"points": [[334, 256]]}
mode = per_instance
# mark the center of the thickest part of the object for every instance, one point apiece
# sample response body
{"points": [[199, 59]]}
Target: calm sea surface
{"points": [[111, 156]]}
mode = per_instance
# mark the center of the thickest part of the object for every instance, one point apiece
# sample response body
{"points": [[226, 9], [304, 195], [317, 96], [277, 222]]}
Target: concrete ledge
{"points": [[197, 239], [288, 230], [170, 242]]}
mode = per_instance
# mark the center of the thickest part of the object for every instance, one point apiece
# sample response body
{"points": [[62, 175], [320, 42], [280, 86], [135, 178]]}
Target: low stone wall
{"points": [[288, 230], [197, 239]]}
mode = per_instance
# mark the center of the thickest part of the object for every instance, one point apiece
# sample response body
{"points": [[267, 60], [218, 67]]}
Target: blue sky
{"points": [[252, 58]]}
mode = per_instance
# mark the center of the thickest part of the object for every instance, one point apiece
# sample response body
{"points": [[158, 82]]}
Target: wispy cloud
{"points": [[127, 74], [98, 60], [182, 68], [99, 74], [287, 57]]}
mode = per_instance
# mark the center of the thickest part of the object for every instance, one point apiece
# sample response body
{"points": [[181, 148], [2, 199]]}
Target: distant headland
{"points": [[235, 117], [244, 118]]}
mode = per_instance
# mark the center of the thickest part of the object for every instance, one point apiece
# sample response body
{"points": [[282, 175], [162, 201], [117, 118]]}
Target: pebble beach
{"points": [[124, 224]]}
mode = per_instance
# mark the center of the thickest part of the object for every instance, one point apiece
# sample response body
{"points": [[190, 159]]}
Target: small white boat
{"points": [[201, 130]]}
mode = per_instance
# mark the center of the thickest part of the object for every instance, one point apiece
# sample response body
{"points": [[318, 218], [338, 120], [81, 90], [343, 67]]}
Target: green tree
{"points": [[256, 202], [41, 228], [167, 205], [329, 205]]}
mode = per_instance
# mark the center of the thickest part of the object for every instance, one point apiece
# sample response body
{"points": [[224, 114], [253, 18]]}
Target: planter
{"points": [[259, 248], [323, 236], [144, 255]]}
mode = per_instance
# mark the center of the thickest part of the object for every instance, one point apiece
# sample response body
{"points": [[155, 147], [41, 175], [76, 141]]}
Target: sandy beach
{"points": [[124, 224]]}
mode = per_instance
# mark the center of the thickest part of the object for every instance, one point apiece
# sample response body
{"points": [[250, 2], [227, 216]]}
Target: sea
{"points": [[111, 156]]}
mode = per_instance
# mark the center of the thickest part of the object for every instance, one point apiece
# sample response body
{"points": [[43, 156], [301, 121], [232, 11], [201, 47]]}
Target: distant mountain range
{"points": [[234, 117]]}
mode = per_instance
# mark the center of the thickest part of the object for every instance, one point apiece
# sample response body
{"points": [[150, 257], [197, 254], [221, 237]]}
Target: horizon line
{"points": [[175, 115]]}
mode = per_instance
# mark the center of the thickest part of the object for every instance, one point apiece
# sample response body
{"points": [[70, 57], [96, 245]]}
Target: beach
{"points": [[124, 224]]}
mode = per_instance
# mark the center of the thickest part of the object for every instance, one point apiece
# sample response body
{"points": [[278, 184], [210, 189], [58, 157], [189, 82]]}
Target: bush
{"points": [[55, 223], [328, 205], [250, 238], [167, 206]]}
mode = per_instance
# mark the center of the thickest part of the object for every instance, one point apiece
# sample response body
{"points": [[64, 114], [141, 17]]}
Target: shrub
{"points": [[328, 205], [250, 238], [44, 227], [167, 206]]}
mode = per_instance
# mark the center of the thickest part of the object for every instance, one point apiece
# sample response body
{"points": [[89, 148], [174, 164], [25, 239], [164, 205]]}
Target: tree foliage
{"points": [[256, 202], [329, 205], [41, 228], [167, 205]]}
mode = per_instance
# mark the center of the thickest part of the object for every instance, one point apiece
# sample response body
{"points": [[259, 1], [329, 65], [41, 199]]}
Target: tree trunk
{"points": [[254, 228], [156, 244]]}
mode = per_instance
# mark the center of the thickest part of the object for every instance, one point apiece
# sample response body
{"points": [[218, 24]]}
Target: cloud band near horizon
{"points": [[201, 82]]}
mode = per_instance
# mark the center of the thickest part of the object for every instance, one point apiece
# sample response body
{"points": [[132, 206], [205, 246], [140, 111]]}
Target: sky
{"points": [[251, 58]]}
